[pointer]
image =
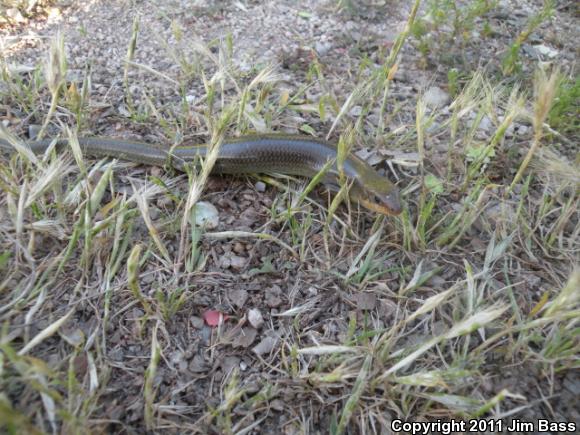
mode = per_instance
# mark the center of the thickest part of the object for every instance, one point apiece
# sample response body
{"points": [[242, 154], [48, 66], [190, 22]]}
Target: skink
{"points": [[288, 154]]}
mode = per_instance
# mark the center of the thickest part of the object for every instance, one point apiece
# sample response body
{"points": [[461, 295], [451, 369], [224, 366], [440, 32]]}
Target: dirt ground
{"points": [[254, 372]]}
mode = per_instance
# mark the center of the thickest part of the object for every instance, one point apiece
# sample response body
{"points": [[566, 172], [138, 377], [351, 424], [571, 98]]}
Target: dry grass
{"points": [[480, 272]]}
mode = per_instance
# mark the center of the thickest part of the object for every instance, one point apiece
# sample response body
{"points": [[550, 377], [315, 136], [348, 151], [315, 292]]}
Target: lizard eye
{"points": [[392, 202]]}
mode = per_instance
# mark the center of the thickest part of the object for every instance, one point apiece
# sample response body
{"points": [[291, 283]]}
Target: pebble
{"points": [[206, 215], [178, 360], [546, 51], [237, 262], [435, 97], [255, 318], [198, 364], [239, 248], [355, 111], [196, 322], [312, 291], [322, 48], [273, 296], [523, 130], [485, 125], [33, 131], [265, 346], [278, 405], [234, 261], [510, 130], [229, 363], [245, 338]]}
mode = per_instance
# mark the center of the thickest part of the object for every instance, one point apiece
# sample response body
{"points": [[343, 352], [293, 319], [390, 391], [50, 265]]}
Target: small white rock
{"points": [[435, 97], [485, 124], [265, 346], [255, 318], [355, 111], [238, 262], [260, 186], [322, 48], [523, 130], [206, 215], [546, 51]]}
